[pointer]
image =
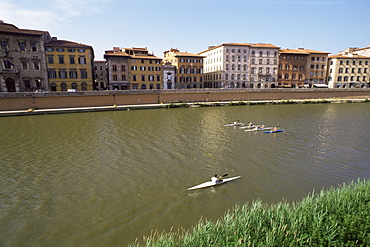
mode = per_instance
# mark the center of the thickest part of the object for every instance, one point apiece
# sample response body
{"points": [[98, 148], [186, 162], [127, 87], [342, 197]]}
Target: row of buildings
{"points": [[32, 60]]}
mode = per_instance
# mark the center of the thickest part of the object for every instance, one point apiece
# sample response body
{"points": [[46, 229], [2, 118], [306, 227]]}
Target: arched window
{"points": [[63, 86], [74, 85], [339, 78], [53, 87], [84, 86], [143, 86], [345, 78]]}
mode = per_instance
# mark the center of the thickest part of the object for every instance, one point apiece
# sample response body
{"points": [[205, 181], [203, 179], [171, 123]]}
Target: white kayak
{"points": [[234, 124], [211, 183], [267, 128], [250, 126]]}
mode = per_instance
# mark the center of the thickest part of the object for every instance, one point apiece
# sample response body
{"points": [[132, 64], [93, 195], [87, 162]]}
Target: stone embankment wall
{"points": [[22, 101]]}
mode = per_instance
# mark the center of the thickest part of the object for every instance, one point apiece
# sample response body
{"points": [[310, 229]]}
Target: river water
{"points": [[107, 178]]}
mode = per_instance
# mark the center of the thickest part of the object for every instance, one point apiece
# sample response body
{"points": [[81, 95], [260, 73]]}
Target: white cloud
{"points": [[46, 15]]}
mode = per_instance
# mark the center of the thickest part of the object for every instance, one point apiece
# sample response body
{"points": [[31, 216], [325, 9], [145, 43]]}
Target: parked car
{"points": [[40, 91], [72, 90]]}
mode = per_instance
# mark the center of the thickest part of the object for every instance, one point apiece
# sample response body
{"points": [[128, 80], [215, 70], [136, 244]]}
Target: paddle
{"points": [[224, 175]]}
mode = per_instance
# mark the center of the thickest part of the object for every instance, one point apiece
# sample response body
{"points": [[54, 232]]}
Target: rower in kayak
{"points": [[216, 179]]}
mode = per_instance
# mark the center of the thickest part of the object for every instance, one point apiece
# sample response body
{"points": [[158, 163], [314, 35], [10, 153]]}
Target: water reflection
{"points": [[104, 179]]}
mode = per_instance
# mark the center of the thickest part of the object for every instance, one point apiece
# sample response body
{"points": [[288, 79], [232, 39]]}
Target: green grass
{"points": [[334, 217]]}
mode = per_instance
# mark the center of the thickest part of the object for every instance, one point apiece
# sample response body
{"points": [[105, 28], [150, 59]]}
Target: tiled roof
{"points": [[65, 43], [349, 56], [10, 28], [118, 54], [294, 51], [254, 45], [302, 51], [264, 46], [185, 54], [144, 57]]}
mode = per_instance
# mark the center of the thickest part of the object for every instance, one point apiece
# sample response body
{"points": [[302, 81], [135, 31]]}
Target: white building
{"points": [[348, 71], [240, 65]]}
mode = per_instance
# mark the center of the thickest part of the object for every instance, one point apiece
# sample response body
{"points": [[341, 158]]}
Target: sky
{"points": [[194, 25]]}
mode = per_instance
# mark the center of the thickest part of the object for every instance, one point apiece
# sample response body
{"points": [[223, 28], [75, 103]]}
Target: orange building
{"points": [[189, 68], [299, 67]]}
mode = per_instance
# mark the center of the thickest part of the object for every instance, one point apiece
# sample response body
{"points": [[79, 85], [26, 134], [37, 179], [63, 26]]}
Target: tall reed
{"points": [[334, 217]]}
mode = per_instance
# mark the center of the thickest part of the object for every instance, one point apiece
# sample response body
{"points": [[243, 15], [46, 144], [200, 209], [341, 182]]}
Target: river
{"points": [[107, 178]]}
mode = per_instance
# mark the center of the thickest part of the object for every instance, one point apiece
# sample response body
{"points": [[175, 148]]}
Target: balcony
{"points": [[9, 71]]}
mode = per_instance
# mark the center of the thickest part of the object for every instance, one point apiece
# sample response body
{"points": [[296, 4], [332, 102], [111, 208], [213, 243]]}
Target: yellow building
{"points": [[145, 69], [189, 68], [70, 65]]}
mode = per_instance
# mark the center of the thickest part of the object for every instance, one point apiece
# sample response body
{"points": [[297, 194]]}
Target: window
{"points": [[142, 77], [114, 77], [63, 86], [123, 68], [62, 74], [72, 60], [36, 65], [82, 60], [49, 49], [71, 50], [142, 68], [60, 49], [52, 74], [4, 45], [61, 59], [33, 47], [83, 74], [134, 68], [22, 46], [50, 59], [134, 78], [114, 67], [73, 74], [151, 78], [81, 50], [24, 65]]}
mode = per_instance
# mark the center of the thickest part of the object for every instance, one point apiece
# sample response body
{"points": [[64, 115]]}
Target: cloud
{"points": [[46, 15]]}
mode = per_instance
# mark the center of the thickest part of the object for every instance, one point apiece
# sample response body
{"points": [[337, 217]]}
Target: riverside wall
{"points": [[55, 100]]}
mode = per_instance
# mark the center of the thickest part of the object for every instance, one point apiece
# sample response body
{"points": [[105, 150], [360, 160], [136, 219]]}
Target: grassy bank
{"points": [[335, 217]]}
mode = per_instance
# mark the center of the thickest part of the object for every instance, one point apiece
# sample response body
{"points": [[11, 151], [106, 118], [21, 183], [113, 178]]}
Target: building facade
{"points": [[348, 71], [316, 68], [240, 65], [23, 65], [101, 75], [189, 68], [263, 64], [168, 75], [117, 66], [70, 65], [226, 65], [292, 68]]}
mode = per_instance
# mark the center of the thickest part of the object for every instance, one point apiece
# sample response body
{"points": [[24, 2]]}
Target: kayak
{"points": [[249, 127], [267, 128], [210, 183], [273, 131], [234, 124]]}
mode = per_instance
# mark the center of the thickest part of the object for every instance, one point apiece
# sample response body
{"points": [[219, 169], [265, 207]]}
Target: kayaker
{"points": [[274, 129], [216, 179]]}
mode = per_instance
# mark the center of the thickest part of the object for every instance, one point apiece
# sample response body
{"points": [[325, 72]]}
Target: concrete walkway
{"points": [[30, 112]]}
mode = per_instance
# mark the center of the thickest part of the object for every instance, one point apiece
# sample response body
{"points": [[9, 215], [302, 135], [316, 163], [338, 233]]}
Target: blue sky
{"points": [[193, 25]]}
